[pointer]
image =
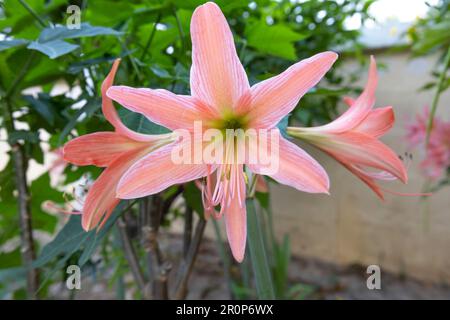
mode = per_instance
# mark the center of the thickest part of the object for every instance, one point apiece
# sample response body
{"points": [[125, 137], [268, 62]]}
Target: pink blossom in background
{"points": [[437, 152]]}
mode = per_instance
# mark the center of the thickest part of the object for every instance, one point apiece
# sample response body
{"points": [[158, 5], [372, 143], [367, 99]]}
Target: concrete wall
{"points": [[403, 234]]}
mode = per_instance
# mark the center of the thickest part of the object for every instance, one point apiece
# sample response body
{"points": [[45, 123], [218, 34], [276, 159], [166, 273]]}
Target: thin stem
{"points": [[437, 95], [180, 30], [157, 269], [186, 266], [130, 255], [133, 63], [20, 75], [129, 206], [224, 257], [187, 235], [33, 13], [169, 201], [150, 38]]}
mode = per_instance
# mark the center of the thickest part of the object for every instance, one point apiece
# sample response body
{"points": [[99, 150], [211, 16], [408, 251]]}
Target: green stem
{"points": [[33, 13], [22, 73], [150, 39], [437, 94], [261, 269], [224, 257], [180, 30]]}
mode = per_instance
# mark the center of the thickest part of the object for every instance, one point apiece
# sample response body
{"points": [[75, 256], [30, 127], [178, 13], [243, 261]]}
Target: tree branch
{"points": [[187, 235], [130, 255], [26, 232]]}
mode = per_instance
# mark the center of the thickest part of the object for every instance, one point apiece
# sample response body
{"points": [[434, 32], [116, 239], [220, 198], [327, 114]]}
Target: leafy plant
{"points": [[38, 50]]}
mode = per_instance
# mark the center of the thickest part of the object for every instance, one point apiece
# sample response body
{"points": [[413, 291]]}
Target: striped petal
{"points": [[101, 198], [110, 112], [236, 214], [161, 106], [296, 168], [274, 98], [156, 172], [357, 148], [99, 149], [377, 123], [217, 76], [359, 109]]}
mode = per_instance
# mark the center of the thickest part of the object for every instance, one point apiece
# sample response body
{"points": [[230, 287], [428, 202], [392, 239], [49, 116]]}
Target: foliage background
{"points": [[38, 51]]}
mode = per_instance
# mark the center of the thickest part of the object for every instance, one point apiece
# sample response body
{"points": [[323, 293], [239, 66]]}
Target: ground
{"points": [[319, 280]]}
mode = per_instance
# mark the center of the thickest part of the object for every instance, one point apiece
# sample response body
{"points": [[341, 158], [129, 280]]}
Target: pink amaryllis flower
{"points": [[353, 138], [116, 151], [437, 150], [222, 98]]}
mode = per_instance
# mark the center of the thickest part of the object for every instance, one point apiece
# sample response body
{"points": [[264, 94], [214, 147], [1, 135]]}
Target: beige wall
{"points": [[402, 234]]}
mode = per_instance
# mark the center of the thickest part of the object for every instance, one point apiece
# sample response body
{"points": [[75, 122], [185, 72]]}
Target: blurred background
{"points": [[318, 246]]}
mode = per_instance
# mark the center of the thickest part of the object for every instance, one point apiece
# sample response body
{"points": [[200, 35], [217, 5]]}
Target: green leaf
{"points": [[193, 197], [42, 191], [50, 41], [18, 135], [6, 44], [261, 269], [432, 37], [42, 107], [140, 123], [53, 49], [282, 126], [107, 12], [282, 257], [89, 108], [85, 30], [72, 238], [277, 40]]}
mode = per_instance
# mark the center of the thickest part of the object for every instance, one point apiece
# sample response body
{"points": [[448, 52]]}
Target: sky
{"points": [[401, 10]]}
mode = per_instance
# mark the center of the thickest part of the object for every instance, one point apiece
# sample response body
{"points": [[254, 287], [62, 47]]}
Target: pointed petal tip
{"points": [[86, 224], [329, 56], [239, 257], [333, 55], [208, 5], [204, 8], [373, 74]]}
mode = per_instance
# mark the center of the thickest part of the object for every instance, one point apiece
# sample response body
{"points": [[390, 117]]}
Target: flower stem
{"points": [[437, 95], [261, 269], [151, 37], [33, 13]]}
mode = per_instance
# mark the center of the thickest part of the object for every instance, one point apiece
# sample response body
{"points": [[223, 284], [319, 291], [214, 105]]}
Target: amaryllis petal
{"points": [[217, 76], [156, 172], [361, 149], [236, 216], [110, 112], [296, 169], [161, 106], [101, 198], [99, 149], [377, 123], [369, 181], [274, 98], [359, 109]]}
